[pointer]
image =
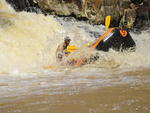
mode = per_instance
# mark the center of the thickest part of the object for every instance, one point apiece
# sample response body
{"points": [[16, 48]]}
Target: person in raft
{"points": [[61, 50]]}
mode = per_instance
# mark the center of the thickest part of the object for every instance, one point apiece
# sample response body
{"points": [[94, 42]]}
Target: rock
{"points": [[143, 15], [94, 11], [137, 1], [24, 5]]}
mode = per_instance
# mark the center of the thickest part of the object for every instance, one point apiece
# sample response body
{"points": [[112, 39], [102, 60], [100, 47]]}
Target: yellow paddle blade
{"points": [[107, 22], [71, 48]]}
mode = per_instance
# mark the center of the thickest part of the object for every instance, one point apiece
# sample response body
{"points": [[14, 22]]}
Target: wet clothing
{"points": [[61, 51]]}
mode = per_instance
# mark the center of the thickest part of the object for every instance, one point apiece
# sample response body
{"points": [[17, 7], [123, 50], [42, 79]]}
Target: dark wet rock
{"points": [[143, 15], [137, 1], [93, 11], [24, 5]]}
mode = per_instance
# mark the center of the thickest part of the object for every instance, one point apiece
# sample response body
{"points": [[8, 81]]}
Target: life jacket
{"points": [[115, 38]]}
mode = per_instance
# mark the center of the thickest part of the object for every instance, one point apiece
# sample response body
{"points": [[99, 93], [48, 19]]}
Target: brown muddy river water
{"points": [[77, 92], [116, 83]]}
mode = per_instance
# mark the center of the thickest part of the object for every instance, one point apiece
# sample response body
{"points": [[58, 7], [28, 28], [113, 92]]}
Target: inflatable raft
{"points": [[115, 38]]}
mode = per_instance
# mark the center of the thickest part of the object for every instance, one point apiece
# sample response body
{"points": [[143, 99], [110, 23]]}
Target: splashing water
{"points": [[28, 42]]}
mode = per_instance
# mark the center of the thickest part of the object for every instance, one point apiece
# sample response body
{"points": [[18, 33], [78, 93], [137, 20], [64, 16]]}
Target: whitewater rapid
{"points": [[118, 81], [28, 41]]}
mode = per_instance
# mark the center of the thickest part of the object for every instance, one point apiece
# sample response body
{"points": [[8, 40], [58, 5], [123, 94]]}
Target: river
{"points": [[116, 83]]}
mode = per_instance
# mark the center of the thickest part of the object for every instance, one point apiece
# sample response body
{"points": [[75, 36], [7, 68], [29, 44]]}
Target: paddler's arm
{"points": [[59, 53]]}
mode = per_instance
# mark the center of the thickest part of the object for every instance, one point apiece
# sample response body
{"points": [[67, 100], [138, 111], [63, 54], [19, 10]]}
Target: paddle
{"points": [[107, 22], [72, 48]]}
